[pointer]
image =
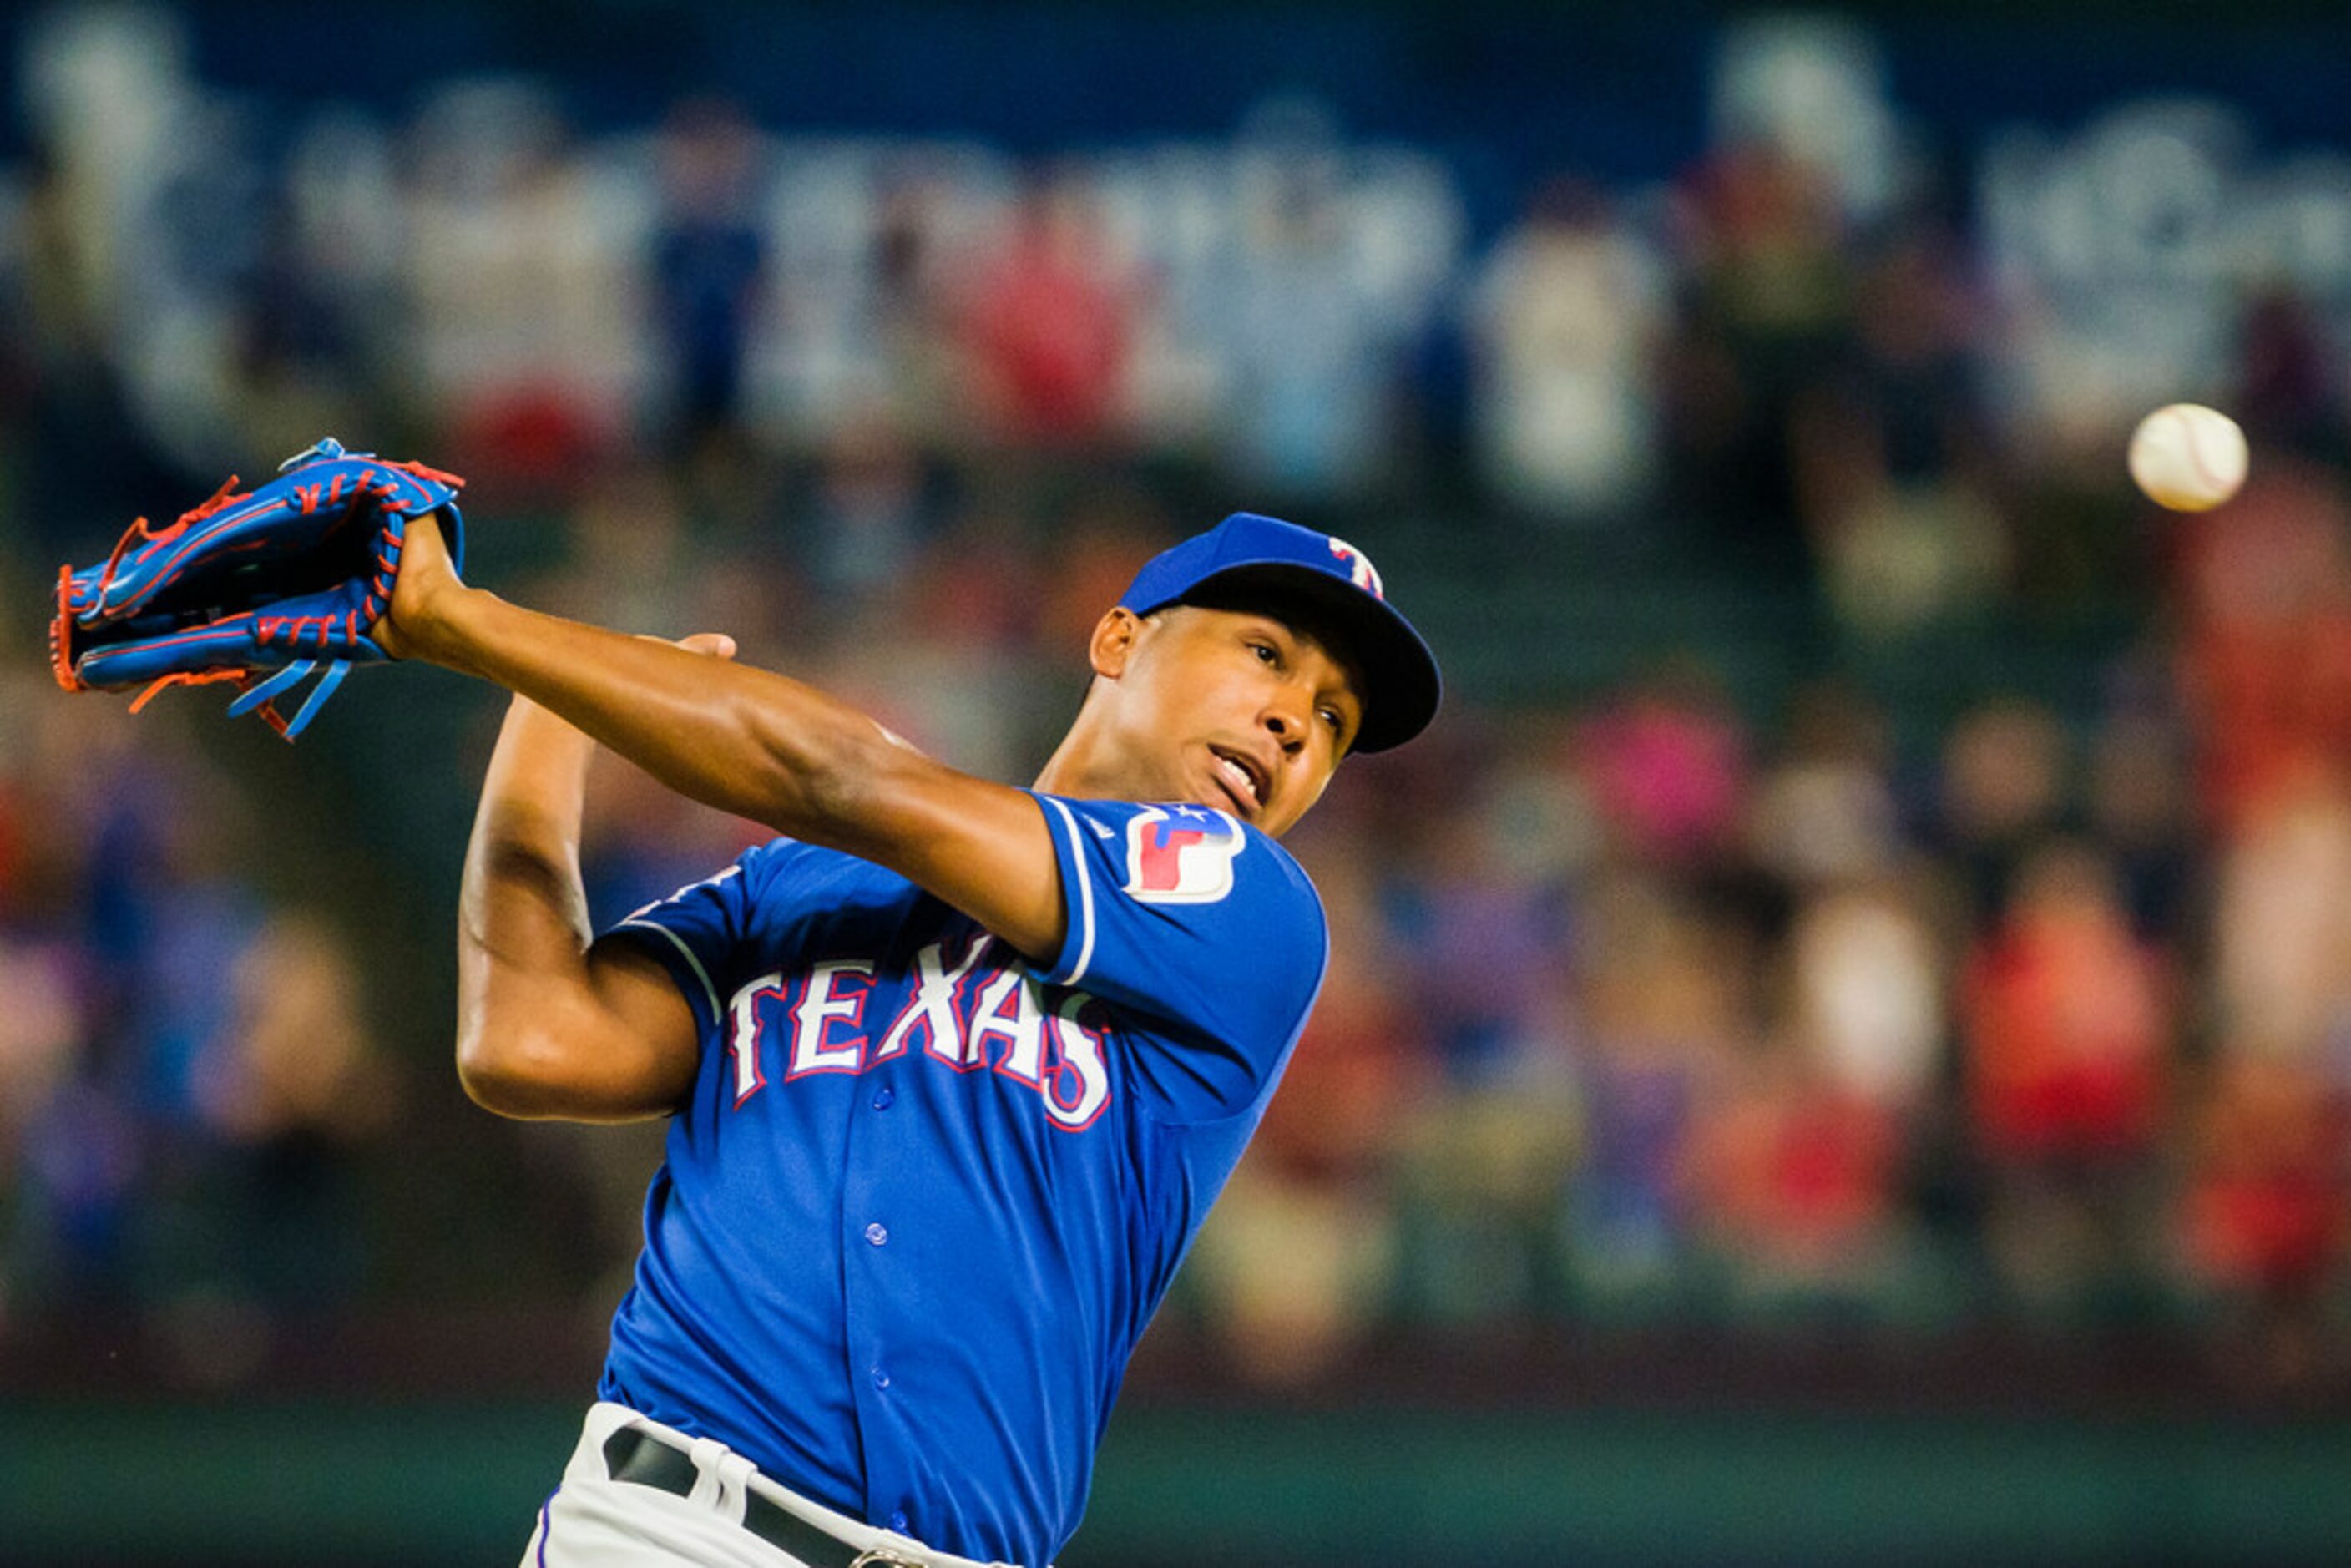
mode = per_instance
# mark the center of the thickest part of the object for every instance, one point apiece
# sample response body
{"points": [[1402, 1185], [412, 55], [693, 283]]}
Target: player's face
{"points": [[1244, 712]]}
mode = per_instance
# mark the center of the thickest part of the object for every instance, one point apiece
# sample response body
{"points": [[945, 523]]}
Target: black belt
{"points": [[636, 1456]]}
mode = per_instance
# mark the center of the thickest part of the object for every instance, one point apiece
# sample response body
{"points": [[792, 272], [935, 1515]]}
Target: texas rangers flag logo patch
{"points": [[1184, 856]]}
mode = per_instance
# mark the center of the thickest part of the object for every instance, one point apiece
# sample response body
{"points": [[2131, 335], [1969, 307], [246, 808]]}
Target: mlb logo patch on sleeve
{"points": [[1184, 856]]}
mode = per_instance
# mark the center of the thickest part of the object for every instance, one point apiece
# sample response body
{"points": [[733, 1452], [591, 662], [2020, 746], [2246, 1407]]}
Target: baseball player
{"points": [[955, 1069]]}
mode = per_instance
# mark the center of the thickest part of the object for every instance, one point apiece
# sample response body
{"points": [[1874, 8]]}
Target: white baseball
{"points": [[2188, 457]]}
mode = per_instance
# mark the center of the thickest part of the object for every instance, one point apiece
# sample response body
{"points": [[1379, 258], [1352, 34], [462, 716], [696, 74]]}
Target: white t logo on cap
{"points": [[1359, 566]]}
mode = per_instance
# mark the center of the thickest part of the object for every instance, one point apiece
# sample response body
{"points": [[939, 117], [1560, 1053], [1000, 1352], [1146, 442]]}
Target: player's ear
{"points": [[1115, 635]]}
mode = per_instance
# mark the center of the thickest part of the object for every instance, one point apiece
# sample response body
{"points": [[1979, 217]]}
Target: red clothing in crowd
{"points": [[2065, 1021]]}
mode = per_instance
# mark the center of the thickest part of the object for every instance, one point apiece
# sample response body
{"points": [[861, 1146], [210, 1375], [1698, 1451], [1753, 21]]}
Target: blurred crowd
{"points": [[1648, 1005]]}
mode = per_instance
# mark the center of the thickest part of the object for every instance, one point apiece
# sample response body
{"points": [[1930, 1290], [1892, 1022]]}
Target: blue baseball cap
{"points": [[1265, 562]]}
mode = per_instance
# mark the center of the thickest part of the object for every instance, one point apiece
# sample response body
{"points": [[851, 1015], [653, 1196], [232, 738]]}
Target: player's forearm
{"points": [[751, 743], [746, 741]]}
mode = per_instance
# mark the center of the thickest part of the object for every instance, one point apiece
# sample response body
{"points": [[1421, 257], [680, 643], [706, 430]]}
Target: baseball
{"points": [[2188, 457]]}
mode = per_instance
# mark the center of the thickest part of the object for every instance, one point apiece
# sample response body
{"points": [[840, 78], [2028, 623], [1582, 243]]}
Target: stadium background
{"points": [[1838, 1047]]}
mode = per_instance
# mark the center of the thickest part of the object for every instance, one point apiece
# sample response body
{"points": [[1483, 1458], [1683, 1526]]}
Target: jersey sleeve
{"points": [[693, 929], [1204, 926]]}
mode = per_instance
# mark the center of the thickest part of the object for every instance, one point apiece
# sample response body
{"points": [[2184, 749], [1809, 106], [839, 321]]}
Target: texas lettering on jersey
{"points": [[958, 1013]]}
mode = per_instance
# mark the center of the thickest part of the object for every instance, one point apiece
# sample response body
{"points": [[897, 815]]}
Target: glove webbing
{"points": [[244, 705], [255, 698]]}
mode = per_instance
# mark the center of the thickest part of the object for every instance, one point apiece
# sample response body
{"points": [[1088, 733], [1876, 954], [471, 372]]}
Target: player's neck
{"points": [[1084, 768], [1067, 772]]}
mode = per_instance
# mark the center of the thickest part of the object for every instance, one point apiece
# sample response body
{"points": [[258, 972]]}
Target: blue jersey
{"points": [[925, 1195]]}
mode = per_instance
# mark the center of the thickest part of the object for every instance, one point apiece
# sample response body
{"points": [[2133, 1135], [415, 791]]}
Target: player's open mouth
{"points": [[1242, 780]]}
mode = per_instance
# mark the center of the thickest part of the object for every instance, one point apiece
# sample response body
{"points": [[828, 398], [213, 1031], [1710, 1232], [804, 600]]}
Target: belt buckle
{"points": [[883, 1557]]}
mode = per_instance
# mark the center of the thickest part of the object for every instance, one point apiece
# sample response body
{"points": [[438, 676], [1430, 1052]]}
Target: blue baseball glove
{"points": [[261, 590]]}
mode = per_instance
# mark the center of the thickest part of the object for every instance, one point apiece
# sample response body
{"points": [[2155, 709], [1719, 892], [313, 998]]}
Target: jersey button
{"points": [[877, 1233], [884, 1097], [881, 1378], [898, 1519]]}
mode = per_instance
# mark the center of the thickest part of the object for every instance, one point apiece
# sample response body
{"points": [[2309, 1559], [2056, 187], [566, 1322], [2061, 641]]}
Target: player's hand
{"points": [[423, 595], [718, 644]]}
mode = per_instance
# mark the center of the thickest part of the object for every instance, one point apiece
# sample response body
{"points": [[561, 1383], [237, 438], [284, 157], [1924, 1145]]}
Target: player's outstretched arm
{"points": [[750, 742], [550, 1025]]}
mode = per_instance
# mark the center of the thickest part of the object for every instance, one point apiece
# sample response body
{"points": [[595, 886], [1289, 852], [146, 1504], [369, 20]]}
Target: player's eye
{"points": [[1265, 652], [1330, 717]]}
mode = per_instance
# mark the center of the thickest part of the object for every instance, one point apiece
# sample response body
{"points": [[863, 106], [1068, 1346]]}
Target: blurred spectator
{"points": [[1799, 1170], [2263, 1219], [2003, 791], [1768, 302], [707, 262], [2280, 949], [1047, 326], [1566, 314], [1666, 766], [1308, 410], [914, 323], [1825, 812], [344, 213], [289, 1083], [2140, 810], [2264, 591], [523, 262], [1664, 1001], [1892, 459], [1481, 930], [118, 922], [1485, 937], [1867, 988], [2066, 1026], [1793, 1182]]}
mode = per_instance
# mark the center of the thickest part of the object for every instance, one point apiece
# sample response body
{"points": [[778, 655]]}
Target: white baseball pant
{"points": [[592, 1520]]}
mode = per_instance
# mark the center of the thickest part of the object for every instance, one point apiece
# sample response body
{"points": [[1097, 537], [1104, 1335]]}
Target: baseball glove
{"points": [[261, 590]]}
